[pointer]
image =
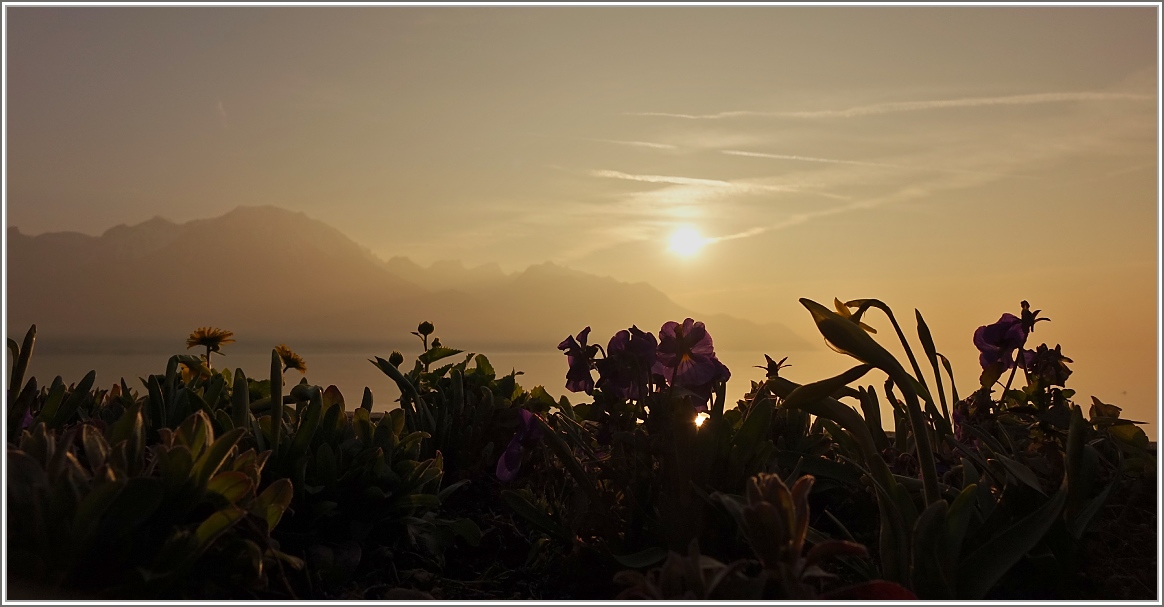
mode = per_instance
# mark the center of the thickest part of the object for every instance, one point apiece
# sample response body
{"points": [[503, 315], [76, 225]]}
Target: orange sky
{"points": [[956, 160]]}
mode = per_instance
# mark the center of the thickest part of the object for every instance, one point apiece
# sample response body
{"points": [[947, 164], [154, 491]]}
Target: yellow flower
{"points": [[210, 338], [290, 359], [843, 310]]}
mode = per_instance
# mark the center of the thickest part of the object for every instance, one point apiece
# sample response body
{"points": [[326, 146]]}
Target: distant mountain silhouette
{"points": [[273, 275]]}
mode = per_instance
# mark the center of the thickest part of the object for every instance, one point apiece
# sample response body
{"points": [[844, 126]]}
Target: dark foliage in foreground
{"points": [[208, 483]]}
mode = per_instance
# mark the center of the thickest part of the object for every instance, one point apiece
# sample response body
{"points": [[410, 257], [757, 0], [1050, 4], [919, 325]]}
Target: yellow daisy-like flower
{"points": [[290, 359], [209, 337], [843, 310]]}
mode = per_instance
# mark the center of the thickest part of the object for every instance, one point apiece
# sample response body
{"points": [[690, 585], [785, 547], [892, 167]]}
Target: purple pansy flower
{"points": [[686, 358], [580, 356], [630, 355], [528, 433], [997, 342]]}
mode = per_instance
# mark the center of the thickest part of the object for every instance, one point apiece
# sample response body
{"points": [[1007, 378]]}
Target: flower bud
{"points": [[395, 358], [425, 328]]}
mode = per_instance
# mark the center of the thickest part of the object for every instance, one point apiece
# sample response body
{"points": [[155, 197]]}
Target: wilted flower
{"points": [[1047, 365], [629, 358], [686, 358], [210, 338], [997, 342], [528, 433], [580, 357], [290, 359]]}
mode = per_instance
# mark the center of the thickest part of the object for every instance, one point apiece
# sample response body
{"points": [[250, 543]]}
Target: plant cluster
{"points": [[208, 483]]}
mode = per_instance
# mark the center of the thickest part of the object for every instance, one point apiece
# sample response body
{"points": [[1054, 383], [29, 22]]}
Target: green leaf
{"points": [[273, 501], [307, 425], [362, 424], [176, 466], [435, 354], [214, 391], [136, 503], [93, 507], [1021, 472], [240, 400], [950, 372], [216, 525], [1130, 435], [483, 366], [211, 459], [467, 530], [641, 559], [20, 364], [931, 569], [332, 397], [276, 402], [520, 505], [232, 486], [418, 500], [96, 448], [756, 426], [981, 570], [52, 404], [326, 469]]}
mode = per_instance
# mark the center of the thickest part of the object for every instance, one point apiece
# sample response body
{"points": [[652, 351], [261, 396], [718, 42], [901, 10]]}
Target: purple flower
{"points": [[686, 358], [997, 342], [528, 433], [26, 421], [581, 359], [626, 368]]}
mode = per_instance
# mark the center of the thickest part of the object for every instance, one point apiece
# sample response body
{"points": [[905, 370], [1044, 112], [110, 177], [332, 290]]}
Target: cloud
{"points": [[662, 179], [639, 144], [910, 167], [221, 112], [913, 106]]}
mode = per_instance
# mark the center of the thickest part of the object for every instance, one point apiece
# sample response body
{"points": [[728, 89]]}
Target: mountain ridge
{"points": [[269, 273]]}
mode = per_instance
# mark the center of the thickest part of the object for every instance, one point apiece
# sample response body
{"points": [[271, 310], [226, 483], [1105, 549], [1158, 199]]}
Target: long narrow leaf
{"points": [[982, 569]]}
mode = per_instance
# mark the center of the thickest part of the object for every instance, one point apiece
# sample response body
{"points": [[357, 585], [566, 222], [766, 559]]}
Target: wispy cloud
{"points": [[913, 106], [910, 167], [662, 179], [743, 187], [637, 144]]}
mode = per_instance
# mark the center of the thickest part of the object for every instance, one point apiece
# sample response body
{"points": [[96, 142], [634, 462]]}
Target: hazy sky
{"points": [[953, 159]]}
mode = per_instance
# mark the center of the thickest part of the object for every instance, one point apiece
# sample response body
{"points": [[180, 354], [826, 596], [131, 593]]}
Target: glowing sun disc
{"points": [[686, 242]]}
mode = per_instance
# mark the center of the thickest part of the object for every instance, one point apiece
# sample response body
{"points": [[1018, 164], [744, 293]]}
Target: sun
{"points": [[686, 242]]}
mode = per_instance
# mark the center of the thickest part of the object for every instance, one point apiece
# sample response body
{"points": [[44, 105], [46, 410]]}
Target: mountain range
{"points": [[273, 275]]}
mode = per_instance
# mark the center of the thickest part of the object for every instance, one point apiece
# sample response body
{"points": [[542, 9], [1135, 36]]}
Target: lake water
{"points": [[1110, 377]]}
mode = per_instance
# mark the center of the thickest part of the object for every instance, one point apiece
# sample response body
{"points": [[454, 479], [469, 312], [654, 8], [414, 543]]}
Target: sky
{"points": [[952, 159]]}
